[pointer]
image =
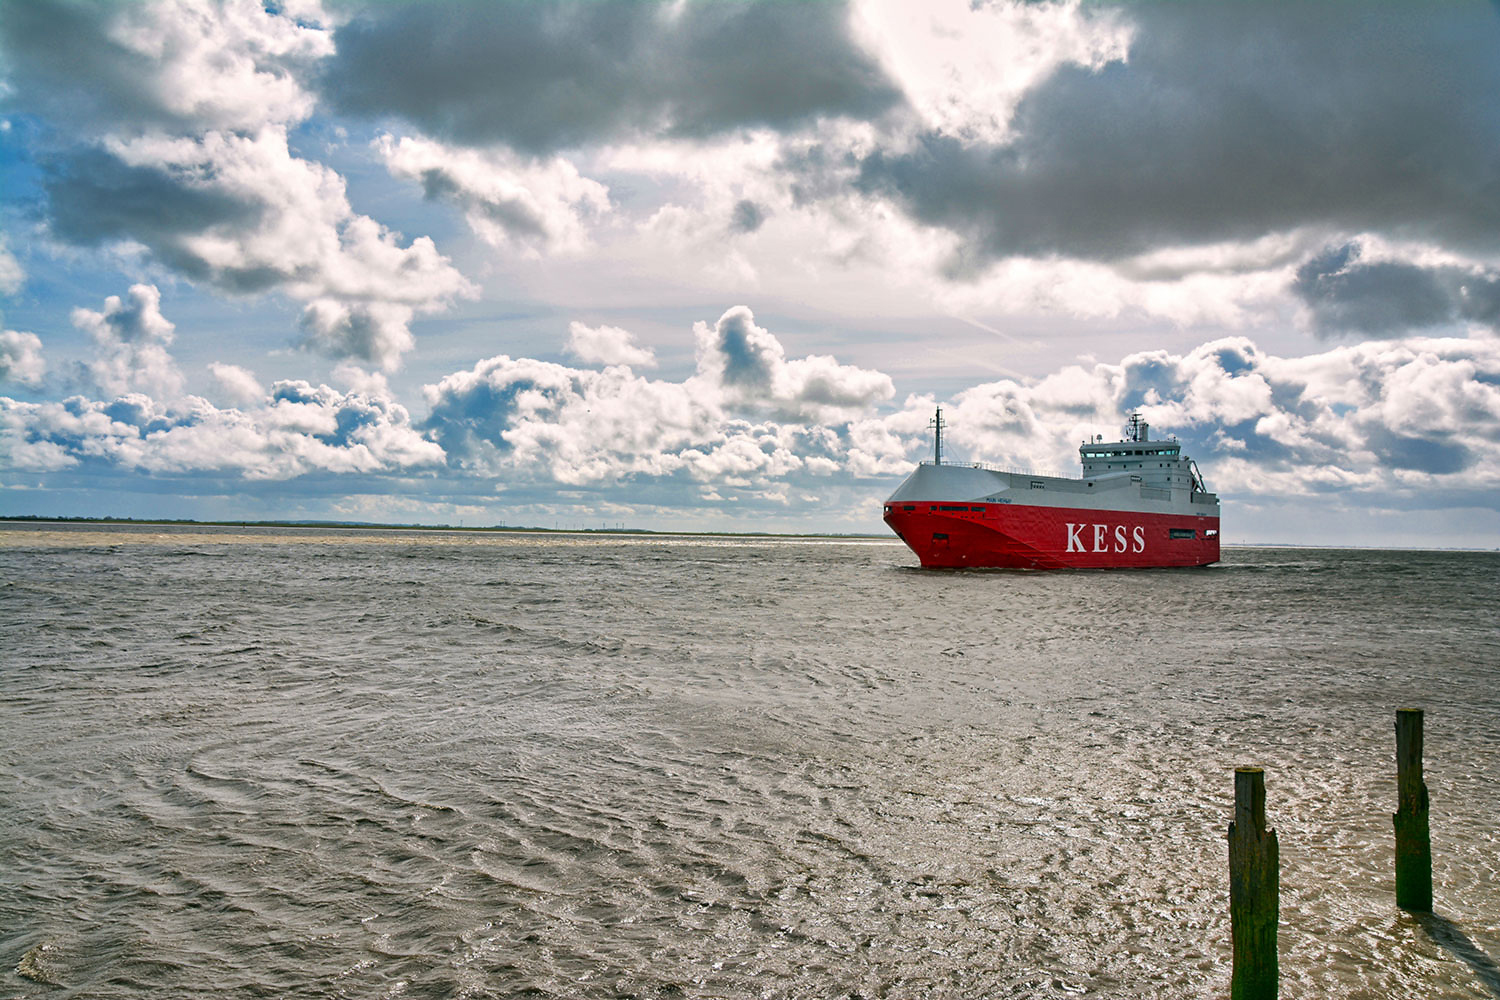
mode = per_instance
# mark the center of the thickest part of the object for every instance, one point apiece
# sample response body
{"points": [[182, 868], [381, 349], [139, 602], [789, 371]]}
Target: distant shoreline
{"points": [[378, 526]]}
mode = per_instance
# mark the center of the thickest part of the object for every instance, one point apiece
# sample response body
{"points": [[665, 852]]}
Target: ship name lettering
{"points": [[1101, 538]]}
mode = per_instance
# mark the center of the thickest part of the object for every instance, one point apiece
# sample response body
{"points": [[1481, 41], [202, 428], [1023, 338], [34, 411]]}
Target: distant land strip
{"points": [[378, 526]]}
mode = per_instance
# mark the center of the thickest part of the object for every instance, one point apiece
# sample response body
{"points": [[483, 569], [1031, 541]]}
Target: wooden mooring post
{"points": [[1413, 840], [1254, 882]]}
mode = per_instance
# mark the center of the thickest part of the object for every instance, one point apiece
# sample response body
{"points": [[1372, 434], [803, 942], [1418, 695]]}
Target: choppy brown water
{"points": [[358, 764]]}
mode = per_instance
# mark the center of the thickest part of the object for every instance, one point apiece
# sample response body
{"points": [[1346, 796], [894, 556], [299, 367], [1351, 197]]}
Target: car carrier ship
{"points": [[1139, 503]]}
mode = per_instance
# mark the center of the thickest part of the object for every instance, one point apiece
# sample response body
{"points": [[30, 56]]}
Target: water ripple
{"points": [[362, 764]]}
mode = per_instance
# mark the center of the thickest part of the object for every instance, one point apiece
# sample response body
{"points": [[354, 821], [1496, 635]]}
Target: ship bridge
{"points": [[1154, 464]]}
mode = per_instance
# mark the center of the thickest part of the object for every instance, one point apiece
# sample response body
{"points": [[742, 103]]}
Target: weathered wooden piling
{"points": [[1413, 841], [1254, 882]]}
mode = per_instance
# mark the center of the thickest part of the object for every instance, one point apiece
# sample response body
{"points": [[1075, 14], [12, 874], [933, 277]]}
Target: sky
{"points": [[713, 265]]}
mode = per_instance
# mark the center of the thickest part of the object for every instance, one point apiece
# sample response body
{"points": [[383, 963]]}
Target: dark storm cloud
{"points": [[95, 198], [164, 125], [1392, 298], [747, 217], [68, 67], [515, 218], [542, 77], [1228, 122], [513, 215], [1436, 454], [127, 68]]}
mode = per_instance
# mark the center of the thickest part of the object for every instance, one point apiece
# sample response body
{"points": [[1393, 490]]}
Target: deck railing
{"points": [[1008, 469]]}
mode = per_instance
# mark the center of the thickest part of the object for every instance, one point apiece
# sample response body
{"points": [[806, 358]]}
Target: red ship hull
{"points": [[1018, 536]]}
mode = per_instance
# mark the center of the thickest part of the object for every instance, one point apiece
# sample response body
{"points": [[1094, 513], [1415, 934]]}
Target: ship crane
{"points": [[1198, 484]]}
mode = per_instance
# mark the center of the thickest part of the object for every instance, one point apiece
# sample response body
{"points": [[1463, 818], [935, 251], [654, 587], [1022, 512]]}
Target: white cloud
{"points": [[1060, 157], [1380, 417], [12, 277], [965, 66], [537, 205], [357, 379], [285, 222], [1390, 422], [172, 140], [232, 64], [739, 213], [573, 425], [377, 332], [178, 64], [21, 358], [298, 430], [747, 418], [750, 367], [607, 345], [239, 385], [151, 427], [1088, 290], [131, 337]]}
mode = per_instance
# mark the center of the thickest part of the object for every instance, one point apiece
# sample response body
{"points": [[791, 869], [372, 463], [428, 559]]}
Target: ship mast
{"points": [[936, 423]]}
